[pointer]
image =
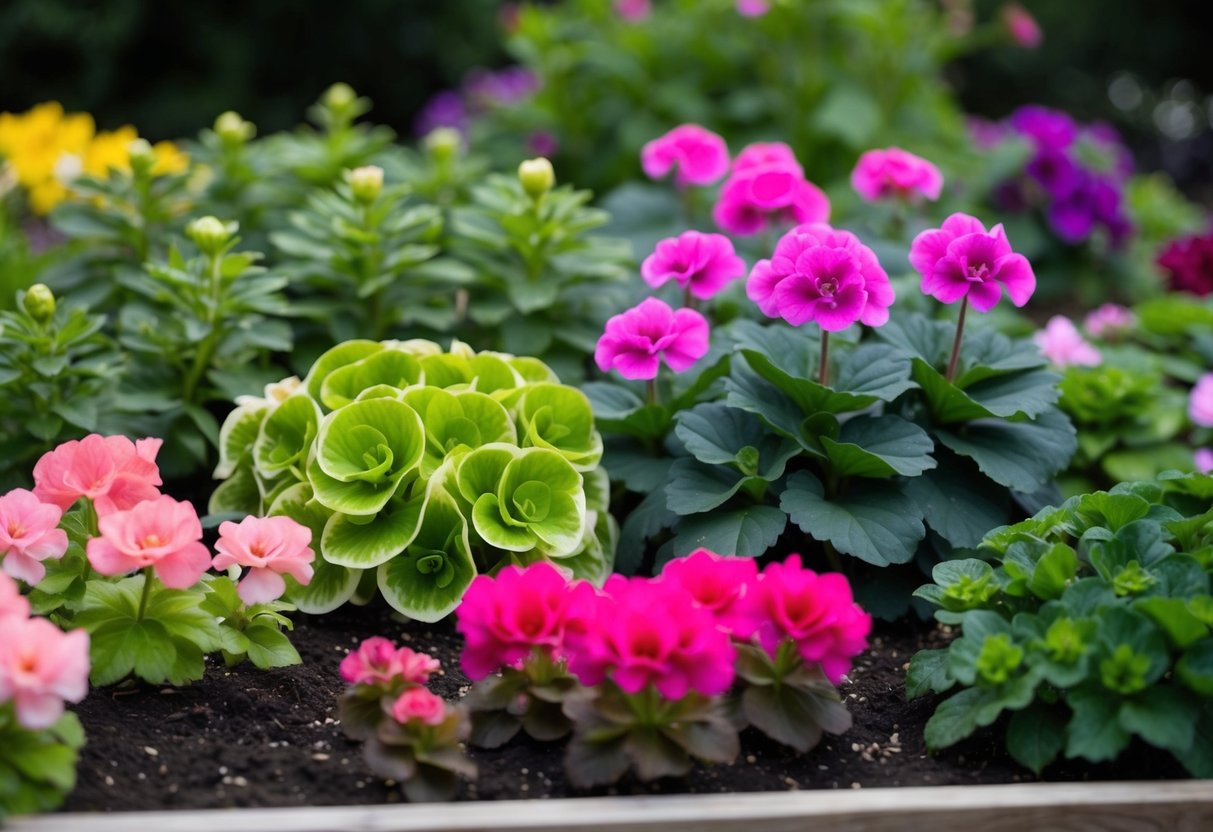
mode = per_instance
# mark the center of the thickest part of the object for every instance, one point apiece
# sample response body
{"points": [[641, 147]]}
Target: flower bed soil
{"points": [[243, 737]]}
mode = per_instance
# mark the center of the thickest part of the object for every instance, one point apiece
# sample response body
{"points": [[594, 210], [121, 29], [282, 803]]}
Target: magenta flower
{"points": [[1021, 26], [417, 704], [29, 534], [1109, 321], [1061, 343], [112, 471], [270, 547], [717, 584], [1047, 128], [697, 155], [1200, 404], [894, 172], [823, 275], [12, 603], [642, 632], [635, 341], [1188, 262], [963, 260], [633, 11], [1203, 460], [767, 188], [698, 262], [161, 533], [766, 155], [40, 667], [379, 662], [753, 8]]}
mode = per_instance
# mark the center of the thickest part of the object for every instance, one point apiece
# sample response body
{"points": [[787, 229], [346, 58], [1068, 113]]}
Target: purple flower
{"points": [[962, 259], [485, 88], [1189, 264], [1047, 128], [1055, 171], [444, 109]]}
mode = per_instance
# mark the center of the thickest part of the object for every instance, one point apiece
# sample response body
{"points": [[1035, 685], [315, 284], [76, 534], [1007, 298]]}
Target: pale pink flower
{"points": [[12, 603], [40, 667], [753, 8], [894, 172], [1203, 459], [418, 705], [161, 533], [379, 662], [29, 534], [962, 259], [635, 341], [112, 471], [1200, 404], [270, 547], [703, 263], [697, 155], [633, 11], [1022, 27], [767, 189], [1109, 321], [1061, 343]]}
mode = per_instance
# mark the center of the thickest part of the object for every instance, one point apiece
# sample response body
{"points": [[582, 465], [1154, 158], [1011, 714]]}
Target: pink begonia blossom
{"points": [[418, 705], [1203, 459], [1023, 28], [641, 632], [504, 619], [112, 471], [379, 662], [753, 8], [703, 263], [894, 172], [12, 603], [816, 612], [29, 534], [697, 155], [824, 275], [633, 11], [767, 188], [40, 667], [635, 341], [717, 584], [1062, 343], [271, 547], [766, 155], [962, 259], [161, 533], [1200, 404], [1109, 321]]}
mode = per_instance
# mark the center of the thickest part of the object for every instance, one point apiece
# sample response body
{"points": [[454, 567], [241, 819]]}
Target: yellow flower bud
{"points": [[234, 130], [339, 97], [210, 234], [536, 176], [142, 156], [39, 303], [443, 143], [366, 183]]}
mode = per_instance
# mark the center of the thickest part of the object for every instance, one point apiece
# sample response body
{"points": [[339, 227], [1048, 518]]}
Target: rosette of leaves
{"points": [[416, 469], [254, 633], [1090, 623], [789, 700], [37, 768]]}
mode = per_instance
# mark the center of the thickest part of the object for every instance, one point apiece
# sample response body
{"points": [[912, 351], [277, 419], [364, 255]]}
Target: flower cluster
{"points": [[636, 341], [1188, 263], [962, 260], [893, 172], [767, 189]]}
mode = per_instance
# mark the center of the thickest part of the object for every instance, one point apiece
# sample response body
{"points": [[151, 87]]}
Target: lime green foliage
{"points": [[1093, 626], [37, 768], [427, 466]]}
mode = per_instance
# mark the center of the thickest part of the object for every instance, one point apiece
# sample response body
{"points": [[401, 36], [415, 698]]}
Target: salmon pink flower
{"points": [[12, 603], [1061, 343], [29, 534], [717, 584], [161, 533], [635, 341], [894, 172], [823, 275], [1109, 321], [1021, 26], [40, 667], [379, 662], [112, 471], [963, 260], [1200, 404], [697, 155], [417, 704], [1203, 459], [270, 547], [699, 263], [767, 188], [753, 8]]}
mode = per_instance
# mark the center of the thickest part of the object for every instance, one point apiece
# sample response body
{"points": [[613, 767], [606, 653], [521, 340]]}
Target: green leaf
{"points": [[747, 532], [560, 418], [880, 446], [1035, 736], [928, 672], [269, 647], [362, 543], [955, 718], [716, 434], [957, 502], [1023, 456], [285, 436], [694, 487], [427, 582], [1094, 732], [1195, 668], [1163, 716], [870, 373]]}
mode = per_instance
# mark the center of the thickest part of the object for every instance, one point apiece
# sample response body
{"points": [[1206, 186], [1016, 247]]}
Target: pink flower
{"points": [[271, 547], [635, 341], [1061, 343], [766, 155], [1200, 404], [704, 263], [379, 662], [112, 471], [1203, 459], [505, 618], [700, 156], [962, 259], [814, 611], [820, 274], [12, 603], [753, 8], [1022, 27], [29, 534], [40, 667], [717, 584], [418, 705], [1109, 321], [768, 188], [895, 172], [161, 533], [633, 11], [643, 632]]}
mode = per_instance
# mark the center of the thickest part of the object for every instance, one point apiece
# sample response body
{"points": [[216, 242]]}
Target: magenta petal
{"points": [[984, 295], [929, 248], [946, 282], [1015, 272], [633, 365]]}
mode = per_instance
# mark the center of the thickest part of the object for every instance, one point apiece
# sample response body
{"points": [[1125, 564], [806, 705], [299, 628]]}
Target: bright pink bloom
{"points": [[12, 603], [717, 584], [1203, 459], [1200, 405], [963, 259], [1109, 321], [1061, 343], [820, 274], [379, 662], [642, 632], [1023, 28], [753, 8], [816, 612], [633, 11], [505, 618], [766, 155], [161, 533], [40, 667], [894, 172], [271, 547], [112, 471], [635, 341], [704, 263], [29, 534], [699, 156], [757, 198], [417, 704]]}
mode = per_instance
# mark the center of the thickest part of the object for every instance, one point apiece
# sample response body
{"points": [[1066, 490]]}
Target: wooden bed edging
{"points": [[1166, 806]]}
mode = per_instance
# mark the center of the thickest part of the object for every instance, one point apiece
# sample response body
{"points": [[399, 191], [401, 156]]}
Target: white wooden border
{"points": [[1160, 806]]}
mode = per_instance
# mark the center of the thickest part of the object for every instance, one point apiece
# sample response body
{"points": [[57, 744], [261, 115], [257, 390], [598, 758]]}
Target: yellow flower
{"points": [[42, 142], [108, 151], [169, 159]]}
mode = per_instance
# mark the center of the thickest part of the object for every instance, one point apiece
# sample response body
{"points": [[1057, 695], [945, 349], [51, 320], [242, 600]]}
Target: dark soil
{"points": [[243, 737]]}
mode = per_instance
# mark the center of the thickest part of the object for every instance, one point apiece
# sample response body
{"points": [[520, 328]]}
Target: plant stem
{"points": [[688, 300], [960, 328], [650, 390], [148, 577], [823, 375], [202, 358]]}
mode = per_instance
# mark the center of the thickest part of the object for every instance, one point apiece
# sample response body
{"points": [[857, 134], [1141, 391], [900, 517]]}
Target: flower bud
{"points": [[536, 176], [443, 143], [366, 183], [233, 130], [142, 156], [339, 97], [39, 303], [210, 234]]}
